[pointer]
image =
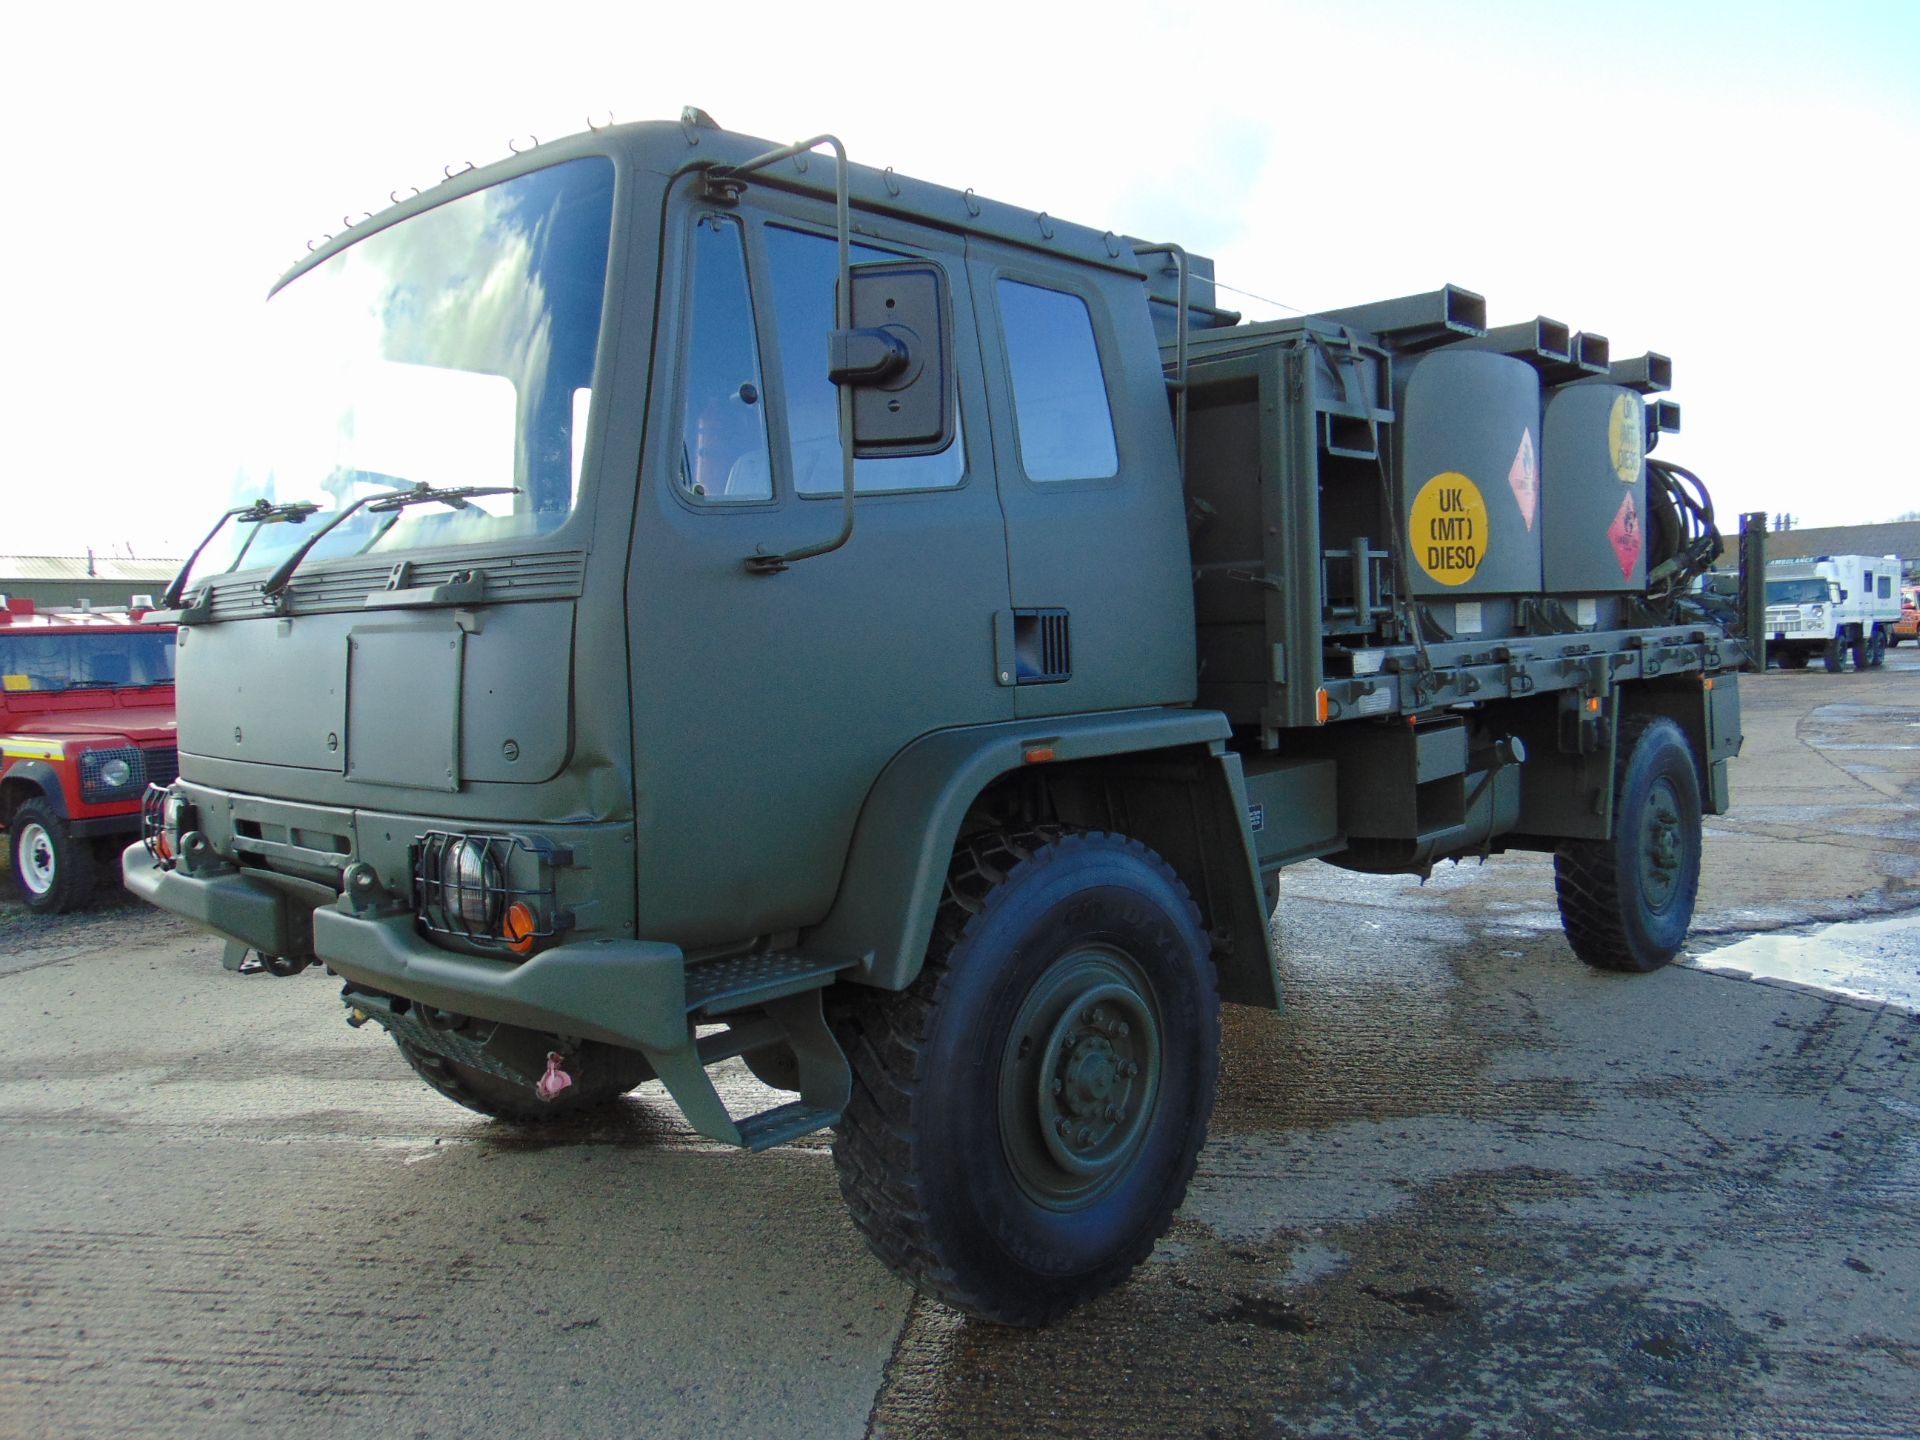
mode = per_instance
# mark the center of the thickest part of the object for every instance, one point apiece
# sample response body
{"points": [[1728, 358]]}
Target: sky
{"points": [[1732, 185]]}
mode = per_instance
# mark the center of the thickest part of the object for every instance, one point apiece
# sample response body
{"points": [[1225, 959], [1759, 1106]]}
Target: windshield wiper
{"points": [[380, 503], [260, 512]]}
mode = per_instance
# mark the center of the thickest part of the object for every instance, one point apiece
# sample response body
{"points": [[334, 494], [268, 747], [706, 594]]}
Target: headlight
{"points": [[493, 891], [470, 884], [111, 774]]}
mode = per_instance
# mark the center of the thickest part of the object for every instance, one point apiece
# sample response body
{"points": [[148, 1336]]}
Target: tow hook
{"points": [[550, 1085]]}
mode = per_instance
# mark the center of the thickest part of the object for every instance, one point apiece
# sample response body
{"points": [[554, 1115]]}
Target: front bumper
{"points": [[625, 992]]}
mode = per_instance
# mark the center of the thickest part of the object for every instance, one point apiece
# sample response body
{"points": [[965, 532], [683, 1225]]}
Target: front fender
{"points": [[39, 775], [903, 841]]}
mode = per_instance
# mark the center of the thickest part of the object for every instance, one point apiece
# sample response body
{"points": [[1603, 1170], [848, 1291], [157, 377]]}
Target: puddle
{"points": [[1876, 960]]}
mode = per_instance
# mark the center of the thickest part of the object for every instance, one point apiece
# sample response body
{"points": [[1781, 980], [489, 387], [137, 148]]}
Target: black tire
{"points": [[601, 1075], [54, 869], [1794, 659], [1876, 650], [1622, 905], [1862, 652], [1834, 656], [1027, 1114]]}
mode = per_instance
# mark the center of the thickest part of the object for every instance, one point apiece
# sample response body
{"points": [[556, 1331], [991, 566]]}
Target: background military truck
{"points": [[86, 724], [584, 703], [1830, 606]]}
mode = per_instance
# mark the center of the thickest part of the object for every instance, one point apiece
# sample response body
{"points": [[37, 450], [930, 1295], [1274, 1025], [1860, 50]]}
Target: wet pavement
{"points": [[1463, 1186]]}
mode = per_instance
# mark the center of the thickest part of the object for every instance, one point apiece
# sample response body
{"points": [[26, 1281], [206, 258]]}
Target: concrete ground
{"points": [[1464, 1186]]}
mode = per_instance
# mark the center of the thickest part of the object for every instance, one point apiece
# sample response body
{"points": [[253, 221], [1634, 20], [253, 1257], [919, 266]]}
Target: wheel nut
{"points": [[1085, 1137], [1058, 1085], [1115, 1114], [1120, 1030]]}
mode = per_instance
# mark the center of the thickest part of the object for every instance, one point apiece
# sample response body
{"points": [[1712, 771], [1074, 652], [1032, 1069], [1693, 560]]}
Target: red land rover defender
{"points": [[86, 723]]}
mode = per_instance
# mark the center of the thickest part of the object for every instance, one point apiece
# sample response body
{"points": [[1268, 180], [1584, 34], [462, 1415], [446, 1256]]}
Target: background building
{"points": [[1895, 537], [100, 580]]}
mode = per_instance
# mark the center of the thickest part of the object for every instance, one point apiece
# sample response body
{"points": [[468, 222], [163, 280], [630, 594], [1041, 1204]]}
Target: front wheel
{"points": [[1027, 1114], [55, 869], [1626, 902]]}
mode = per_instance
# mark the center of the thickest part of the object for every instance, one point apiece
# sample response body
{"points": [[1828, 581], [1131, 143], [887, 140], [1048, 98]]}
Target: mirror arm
{"points": [[762, 563]]}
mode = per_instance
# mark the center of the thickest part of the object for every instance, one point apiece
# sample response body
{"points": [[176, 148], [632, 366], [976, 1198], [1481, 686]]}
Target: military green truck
{"points": [[699, 599]]}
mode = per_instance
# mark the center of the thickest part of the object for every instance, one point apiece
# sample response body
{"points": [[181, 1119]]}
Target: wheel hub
{"points": [[1079, 1078], [1661, 849], [36, 858]]}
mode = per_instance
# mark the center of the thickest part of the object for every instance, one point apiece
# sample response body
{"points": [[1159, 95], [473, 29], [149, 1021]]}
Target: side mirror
{"points": [[897, 358]]}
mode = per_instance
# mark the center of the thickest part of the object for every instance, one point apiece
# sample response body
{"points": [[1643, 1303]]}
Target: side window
{"points": [[1060, 407], [805, 271], [1886, 587], [723, 425]]}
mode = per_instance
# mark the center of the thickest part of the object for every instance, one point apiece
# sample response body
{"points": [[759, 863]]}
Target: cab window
{"points": [[723, 426], [1060, 408]]}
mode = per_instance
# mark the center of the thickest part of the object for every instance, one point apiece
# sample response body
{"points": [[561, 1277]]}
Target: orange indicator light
{"points": [[517, 928], [1039, 755]]}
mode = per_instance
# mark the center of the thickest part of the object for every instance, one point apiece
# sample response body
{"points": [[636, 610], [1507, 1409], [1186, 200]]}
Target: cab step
{"points": [[769, 998], [741, 982], [783, 1123]]}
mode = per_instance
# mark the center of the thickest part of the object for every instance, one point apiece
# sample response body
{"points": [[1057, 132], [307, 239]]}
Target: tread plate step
{"points": [[739, 981], [784, 1123]]}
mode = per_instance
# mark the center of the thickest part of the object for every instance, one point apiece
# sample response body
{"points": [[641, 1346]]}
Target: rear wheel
{"points": [[56, 870], [601, 1074], [1026, 1116], [1876, 650], [1834, 656], [1862, 651], [1626, 902]]}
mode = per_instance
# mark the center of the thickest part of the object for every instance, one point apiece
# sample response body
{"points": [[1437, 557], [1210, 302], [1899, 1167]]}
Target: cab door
{"points": [[1089, 481], [765, 705]]}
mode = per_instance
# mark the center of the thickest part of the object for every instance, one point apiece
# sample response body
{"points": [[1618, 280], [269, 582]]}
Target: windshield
{"points": [[74, 660], [1796, 592], [455, 348]]}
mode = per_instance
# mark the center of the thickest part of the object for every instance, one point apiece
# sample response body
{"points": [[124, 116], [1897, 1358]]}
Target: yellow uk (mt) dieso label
{"points": [[1448, 528], [1625, 441]]}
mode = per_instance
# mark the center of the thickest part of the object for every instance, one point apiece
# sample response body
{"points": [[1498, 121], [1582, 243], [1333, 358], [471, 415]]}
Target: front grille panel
{"points": [[542, 575], [163, 764]]}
